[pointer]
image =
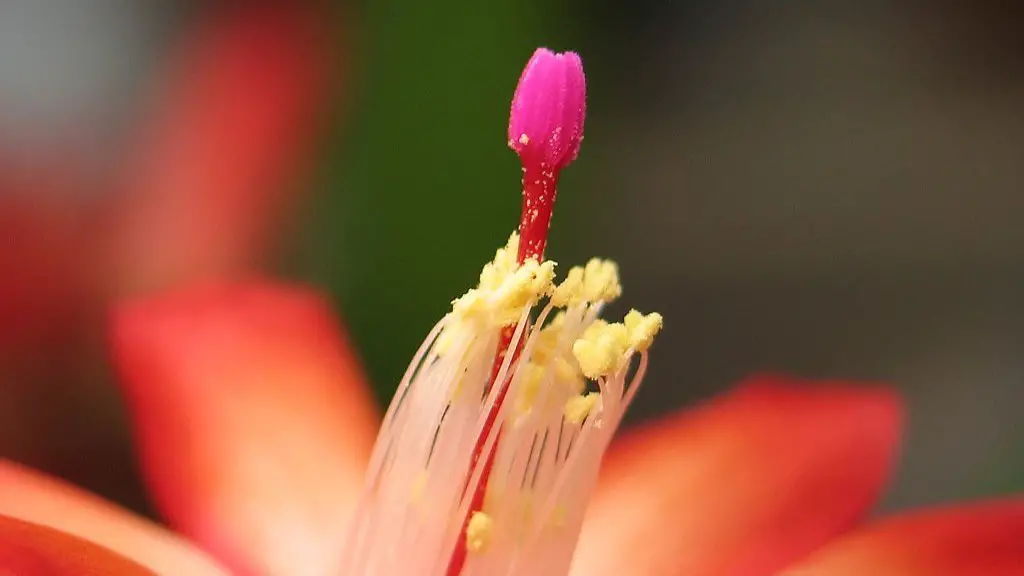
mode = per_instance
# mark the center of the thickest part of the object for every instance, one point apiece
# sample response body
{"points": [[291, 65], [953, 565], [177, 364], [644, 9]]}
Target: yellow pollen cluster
{"points": [[603, 346], [546, 344], [478, 532], [569, 375], [642, 329], [596, 282], [529, 389], [506, 288], [562, 353], [580, 406]]}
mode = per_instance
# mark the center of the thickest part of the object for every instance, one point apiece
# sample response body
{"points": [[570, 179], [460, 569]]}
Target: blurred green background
{"points": [[811, 187]]}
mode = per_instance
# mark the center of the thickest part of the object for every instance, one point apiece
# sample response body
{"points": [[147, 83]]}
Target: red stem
{"points": [[539, 191]]}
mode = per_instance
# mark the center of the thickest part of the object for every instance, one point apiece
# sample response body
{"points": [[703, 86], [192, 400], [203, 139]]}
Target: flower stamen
{"points": [[491, 446]]}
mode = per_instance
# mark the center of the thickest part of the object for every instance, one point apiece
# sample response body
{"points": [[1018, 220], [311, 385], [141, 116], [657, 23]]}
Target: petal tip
{"points": [[873, 401]]}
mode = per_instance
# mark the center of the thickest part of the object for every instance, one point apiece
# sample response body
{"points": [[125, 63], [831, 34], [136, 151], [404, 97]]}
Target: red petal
{"points": [[742, 485], [978, 539], [215, 172], [34, 497], [253, 421], [41, 256], [32, 550]]}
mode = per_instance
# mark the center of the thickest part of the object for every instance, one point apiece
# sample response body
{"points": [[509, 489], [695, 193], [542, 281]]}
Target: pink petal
{"points": [[252, 418], [977, 539], [28, 549], [34, 497], [213, 178], [742, 485]]}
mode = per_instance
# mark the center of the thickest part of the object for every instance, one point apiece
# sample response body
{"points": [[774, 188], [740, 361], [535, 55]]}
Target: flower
{"points": [[489, 451], [255, 430]]}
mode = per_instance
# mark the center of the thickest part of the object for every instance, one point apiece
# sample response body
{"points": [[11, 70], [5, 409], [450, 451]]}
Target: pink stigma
{"points": [[548, 109]]}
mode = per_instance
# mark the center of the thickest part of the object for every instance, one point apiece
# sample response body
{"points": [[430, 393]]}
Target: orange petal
{"points": [[28, 549], [252, 418], [34, 497], [742, 485], [213, 177], [983, 539]]}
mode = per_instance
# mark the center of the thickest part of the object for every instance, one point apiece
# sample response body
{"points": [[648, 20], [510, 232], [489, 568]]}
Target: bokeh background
{"points": [[831, 189]]}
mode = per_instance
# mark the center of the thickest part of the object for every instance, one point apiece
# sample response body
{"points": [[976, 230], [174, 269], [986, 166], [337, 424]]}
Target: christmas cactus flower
{"points": [[498, 454]]}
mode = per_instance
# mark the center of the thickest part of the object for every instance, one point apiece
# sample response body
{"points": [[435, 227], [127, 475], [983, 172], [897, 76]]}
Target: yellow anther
{"points": [[568, 292], [594, 360], [507, 256], [544, 278], [478, 532], [490, 277], [506, 288], [529, 387], [521, 288], [615, 337], [516, 286], [601, 348], [594, 330], [601, 281], [632, 319], [504, 263], [580, 406], [568, 374], [546, 343], [472, 303], [642, 329]]}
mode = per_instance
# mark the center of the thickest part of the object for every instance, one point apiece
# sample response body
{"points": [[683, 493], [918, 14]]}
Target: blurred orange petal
{"points": [[34, 497], [28, 549], [742, 485], [253, 421], [978, 539], [215, 172]]}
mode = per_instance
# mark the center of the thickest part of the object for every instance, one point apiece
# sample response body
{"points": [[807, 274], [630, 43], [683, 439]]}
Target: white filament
{"points": [[412, 514]]}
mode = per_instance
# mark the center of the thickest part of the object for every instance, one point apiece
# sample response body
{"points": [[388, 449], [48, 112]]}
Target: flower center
{"points": [[490, 448], [542, 160]]}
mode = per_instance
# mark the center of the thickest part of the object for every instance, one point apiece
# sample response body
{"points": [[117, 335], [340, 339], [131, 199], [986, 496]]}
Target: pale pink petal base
{"points": [[983, 539], [253, 421], [743, 485], [32, 496]]}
